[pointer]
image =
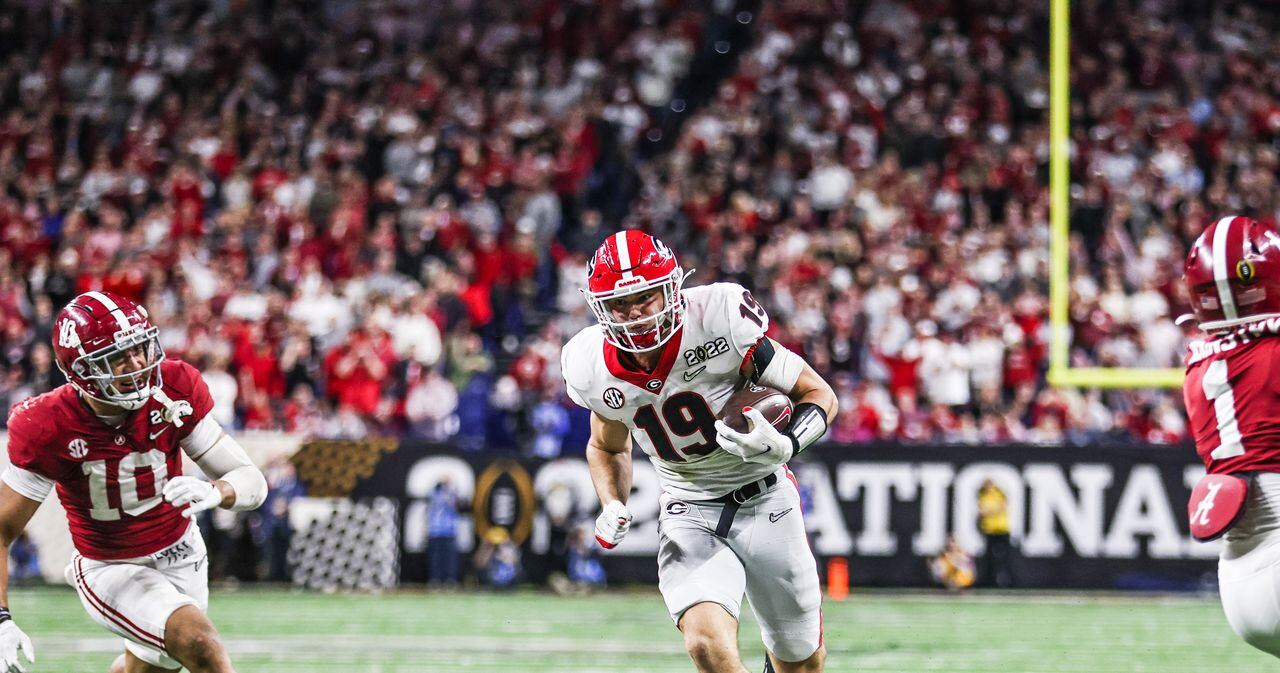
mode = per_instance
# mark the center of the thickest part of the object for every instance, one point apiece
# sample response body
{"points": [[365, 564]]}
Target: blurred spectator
{"points": [[550, 421], [345, 424], [497, 559], [585, 570], [993, 523], [223, 389], [274, 528], [442, 536], [356, 371], [389, 190], [24, 561], [954, 567], [430, 407]]}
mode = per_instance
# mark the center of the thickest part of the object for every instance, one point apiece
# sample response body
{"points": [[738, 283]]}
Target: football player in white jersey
{"points": [[656, 371]]}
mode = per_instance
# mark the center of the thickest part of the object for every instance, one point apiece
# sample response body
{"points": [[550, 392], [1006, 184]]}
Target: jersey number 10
{"points": [[126, 478]]}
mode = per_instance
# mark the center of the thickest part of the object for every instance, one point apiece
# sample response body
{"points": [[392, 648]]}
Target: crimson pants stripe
{"points": [[792, 477], [115, 617]]}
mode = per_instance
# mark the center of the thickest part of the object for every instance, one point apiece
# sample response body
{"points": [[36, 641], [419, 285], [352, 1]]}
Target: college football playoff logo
{"points": [[78, 447], [614, 398], [1245, 271]]}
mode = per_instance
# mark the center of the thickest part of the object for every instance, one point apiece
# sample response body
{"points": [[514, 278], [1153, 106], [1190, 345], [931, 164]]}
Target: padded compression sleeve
{"points": [[775, 366]]}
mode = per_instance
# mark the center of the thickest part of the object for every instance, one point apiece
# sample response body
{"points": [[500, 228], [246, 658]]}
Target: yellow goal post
{"points": [[1061, 373]]}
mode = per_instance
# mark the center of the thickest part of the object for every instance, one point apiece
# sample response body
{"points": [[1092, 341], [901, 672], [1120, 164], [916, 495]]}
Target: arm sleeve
{"points": [[201, 437], [28, 484], [775, 365], [220, 456]]}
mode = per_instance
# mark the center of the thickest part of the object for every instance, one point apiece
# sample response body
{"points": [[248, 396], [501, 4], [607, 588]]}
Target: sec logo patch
{"points": [[78, 448], [614, 398]]}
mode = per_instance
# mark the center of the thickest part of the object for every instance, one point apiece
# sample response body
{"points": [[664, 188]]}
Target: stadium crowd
{"points": [[374, 217]]}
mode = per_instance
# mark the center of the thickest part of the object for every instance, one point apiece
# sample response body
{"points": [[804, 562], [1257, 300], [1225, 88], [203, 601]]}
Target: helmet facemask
{"points": [[646, 333], [128, 389]]}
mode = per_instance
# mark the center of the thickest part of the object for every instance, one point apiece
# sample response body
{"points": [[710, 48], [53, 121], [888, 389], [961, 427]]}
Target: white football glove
{"points": [[612, 524], [13, 640], [197, 493], [762, 443]]}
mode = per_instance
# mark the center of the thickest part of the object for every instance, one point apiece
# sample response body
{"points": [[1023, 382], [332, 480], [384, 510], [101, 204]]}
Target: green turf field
{"points": [[278, 631]]}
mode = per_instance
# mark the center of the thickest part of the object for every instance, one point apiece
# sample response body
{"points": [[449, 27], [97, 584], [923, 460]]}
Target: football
{"points": [[772, 403]]}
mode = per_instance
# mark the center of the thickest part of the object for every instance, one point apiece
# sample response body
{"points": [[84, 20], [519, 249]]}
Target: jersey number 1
{"points": [[126, 470], [1217, 388]]}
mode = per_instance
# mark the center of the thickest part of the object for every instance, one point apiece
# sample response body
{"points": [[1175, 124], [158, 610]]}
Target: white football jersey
{"points": [[671, 411]]}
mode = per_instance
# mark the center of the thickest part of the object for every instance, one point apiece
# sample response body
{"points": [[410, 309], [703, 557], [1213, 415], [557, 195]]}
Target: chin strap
{"points": [[173, 411]]}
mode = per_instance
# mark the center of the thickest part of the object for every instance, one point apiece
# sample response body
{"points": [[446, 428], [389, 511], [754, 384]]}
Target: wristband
{"points": [[808, 425], [5, 616]]}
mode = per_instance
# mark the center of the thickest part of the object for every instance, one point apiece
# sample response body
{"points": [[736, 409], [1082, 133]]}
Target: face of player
{"points": [[640, 320], [128, 362], [638, 306]]}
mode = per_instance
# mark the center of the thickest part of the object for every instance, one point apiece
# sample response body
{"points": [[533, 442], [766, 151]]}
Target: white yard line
{"points": [[417, 645]]}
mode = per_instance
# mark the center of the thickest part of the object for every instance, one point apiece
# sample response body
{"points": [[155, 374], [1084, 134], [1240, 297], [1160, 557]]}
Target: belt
{"points": [[736, 498], [742, 494]]}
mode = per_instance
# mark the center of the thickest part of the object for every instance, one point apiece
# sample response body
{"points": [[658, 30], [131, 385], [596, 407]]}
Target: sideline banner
{"points": [[1098, 517]]}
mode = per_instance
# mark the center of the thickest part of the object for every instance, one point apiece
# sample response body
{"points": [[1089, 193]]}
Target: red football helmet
{"points": [[94, 332], [1233, 274], [630, 262]]}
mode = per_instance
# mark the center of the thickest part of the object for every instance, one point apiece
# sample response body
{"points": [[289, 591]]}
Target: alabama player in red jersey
{"points": [[1232, 394], [661, 362], [111, 441]]}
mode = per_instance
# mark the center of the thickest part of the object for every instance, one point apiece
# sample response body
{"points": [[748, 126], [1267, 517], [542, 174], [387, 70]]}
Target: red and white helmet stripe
{"points": [[624, 255], [1222, 238], [112, 307]]}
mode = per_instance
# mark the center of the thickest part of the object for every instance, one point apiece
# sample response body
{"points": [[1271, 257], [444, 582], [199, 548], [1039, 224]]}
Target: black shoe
{"points": [[768, 665]]}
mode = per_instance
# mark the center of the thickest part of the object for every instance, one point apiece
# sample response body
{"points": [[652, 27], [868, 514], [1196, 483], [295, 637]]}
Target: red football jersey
{"points": [[1232, 395], [109, 479]]}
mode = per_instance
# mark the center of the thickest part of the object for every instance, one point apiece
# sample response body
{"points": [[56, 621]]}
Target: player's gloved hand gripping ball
{"points": [[762, 443], [744, 428]]}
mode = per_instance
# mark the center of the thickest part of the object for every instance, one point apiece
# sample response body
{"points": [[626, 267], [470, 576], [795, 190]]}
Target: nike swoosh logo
{"points": [[688, 376], [773, 518], [157, 434]]}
